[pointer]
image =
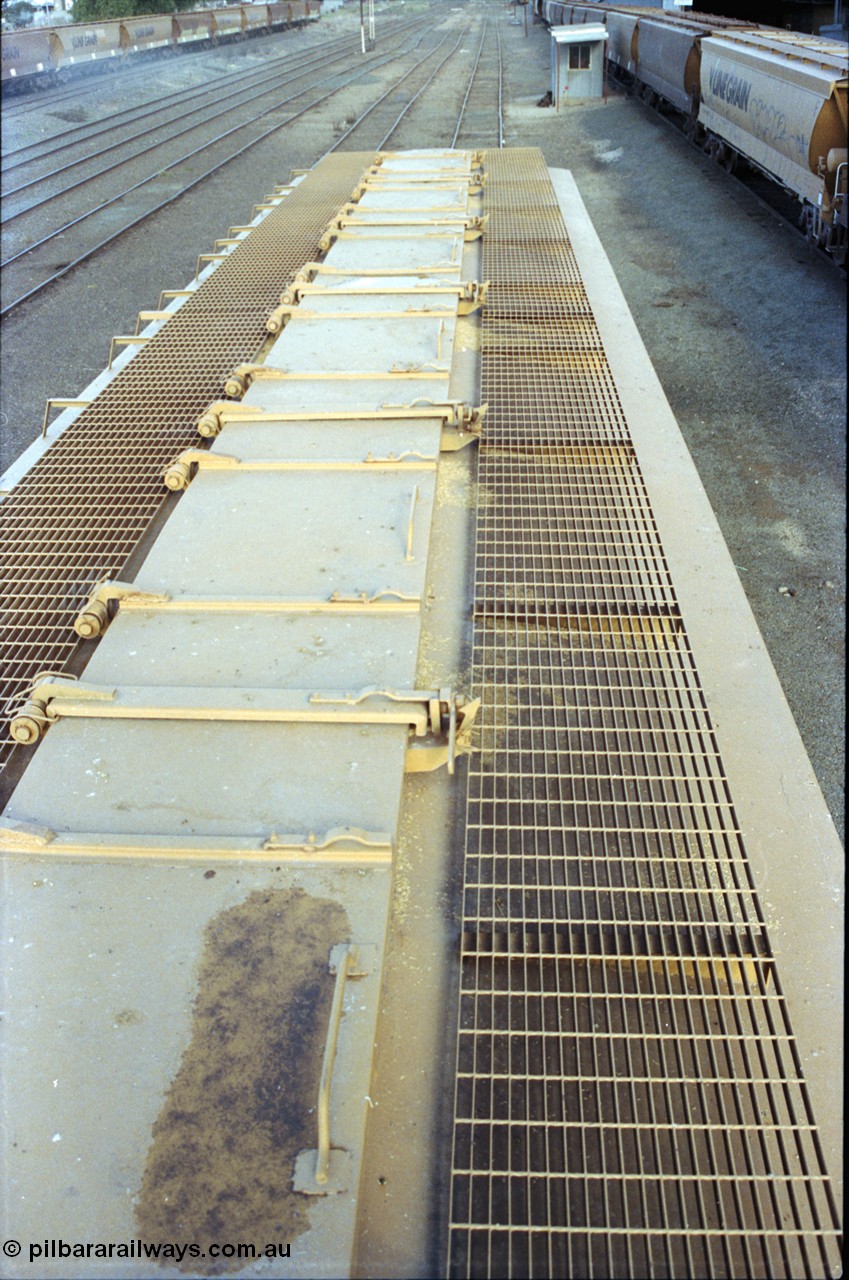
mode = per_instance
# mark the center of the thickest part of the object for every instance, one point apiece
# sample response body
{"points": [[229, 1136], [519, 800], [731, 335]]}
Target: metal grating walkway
{"points": [[78, 515], [629, 1100]]}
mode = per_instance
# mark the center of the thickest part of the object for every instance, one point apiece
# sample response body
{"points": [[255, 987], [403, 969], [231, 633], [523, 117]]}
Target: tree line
{"points": [[87, 10]]}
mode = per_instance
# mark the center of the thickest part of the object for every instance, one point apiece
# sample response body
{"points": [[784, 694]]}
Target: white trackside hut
{"points": [[577, 62]]}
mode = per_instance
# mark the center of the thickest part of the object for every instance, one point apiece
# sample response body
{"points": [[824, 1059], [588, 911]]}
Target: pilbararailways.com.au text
{"points": [[143, 1250]]}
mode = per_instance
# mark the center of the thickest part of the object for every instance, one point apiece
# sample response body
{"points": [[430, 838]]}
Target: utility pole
{"points": [[371, 41]]}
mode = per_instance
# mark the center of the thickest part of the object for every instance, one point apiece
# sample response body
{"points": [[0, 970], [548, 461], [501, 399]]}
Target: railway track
{"points": [[479, 124], [23, 248], [289, 72], [131, 73], [78, 225], [374, 126], [180, 103], [485, 93], [15, 107], [273, 65]]}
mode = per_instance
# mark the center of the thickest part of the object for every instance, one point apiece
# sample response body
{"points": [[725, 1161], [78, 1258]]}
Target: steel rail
{"points": [[272, 80], [426, 85], [151, 106], [288, 61], [177, 195], [249, 97], [15, 104], [320, 59], [137, 112], [381, 99], [469, 86]]}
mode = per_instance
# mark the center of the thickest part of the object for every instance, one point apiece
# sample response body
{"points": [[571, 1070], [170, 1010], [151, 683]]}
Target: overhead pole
{"points": [[370, 41]]}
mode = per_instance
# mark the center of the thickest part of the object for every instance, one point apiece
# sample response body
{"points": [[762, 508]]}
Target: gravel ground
{"points": [[745, 328]]}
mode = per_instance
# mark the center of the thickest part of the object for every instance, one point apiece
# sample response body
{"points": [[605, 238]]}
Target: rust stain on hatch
{"points": [[241, 1106]]}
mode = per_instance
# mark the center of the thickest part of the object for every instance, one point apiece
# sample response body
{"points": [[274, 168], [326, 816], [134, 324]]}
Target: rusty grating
{"points": [[629, 1099], [78, 515]]}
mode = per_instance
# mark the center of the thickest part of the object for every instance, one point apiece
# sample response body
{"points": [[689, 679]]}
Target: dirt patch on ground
{"points": [[242, 1104]]}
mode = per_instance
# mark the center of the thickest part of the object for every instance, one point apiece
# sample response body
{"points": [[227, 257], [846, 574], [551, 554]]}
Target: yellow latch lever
{"points": [[442, 719], [453, 413]]}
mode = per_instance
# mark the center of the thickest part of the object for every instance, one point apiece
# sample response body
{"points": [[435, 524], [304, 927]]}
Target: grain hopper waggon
{"points": [[776, 99], [37, 58]]}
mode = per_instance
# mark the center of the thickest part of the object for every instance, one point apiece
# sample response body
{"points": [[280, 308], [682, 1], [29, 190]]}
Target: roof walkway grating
{"points": [[629, 1100]]}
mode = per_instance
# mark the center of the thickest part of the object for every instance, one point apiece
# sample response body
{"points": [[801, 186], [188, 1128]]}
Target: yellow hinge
{"points": [[447, 212], [312, 270], [276, 322], [470, 294], [470, 184], [476, 157], [379, 179], [283, 315], [94, 618], [472, 227], [261, 372]]}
